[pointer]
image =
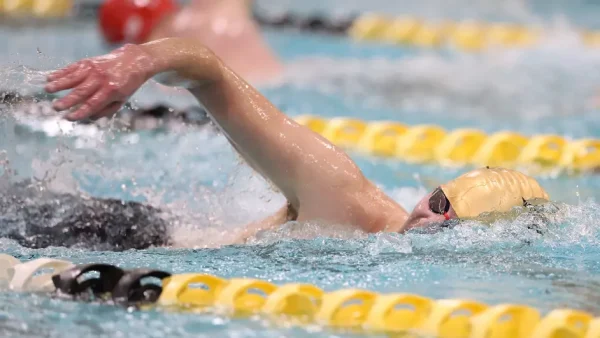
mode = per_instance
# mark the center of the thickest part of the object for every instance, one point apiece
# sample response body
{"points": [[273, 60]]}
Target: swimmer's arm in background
{"points": [[317, 178]]}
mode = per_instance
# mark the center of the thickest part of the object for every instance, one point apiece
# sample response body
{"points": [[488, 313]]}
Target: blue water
{"points": [[197, 176]]}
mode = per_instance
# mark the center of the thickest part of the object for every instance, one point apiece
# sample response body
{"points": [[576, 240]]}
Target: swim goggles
{"points": [[439, 203]]}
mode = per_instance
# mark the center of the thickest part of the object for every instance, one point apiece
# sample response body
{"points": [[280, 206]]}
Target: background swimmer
{"points": [[40, 218], [318, 179], [226, 26]]}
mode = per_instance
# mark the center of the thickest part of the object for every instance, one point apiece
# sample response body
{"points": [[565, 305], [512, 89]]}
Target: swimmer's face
{"points": [[433, 208]]}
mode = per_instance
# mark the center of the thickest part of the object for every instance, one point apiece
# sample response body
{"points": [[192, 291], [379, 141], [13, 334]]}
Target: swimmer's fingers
{"points": [[79, 95], [95, 107], [64, 71], [67, 81]]}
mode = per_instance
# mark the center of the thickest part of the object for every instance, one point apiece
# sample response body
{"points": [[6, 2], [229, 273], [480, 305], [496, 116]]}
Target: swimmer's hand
{"points": [[101, 85]]}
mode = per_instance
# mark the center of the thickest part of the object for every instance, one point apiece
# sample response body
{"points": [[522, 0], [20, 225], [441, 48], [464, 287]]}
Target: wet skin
{"points": [[422, 215], [227, 27], [318, 179]]}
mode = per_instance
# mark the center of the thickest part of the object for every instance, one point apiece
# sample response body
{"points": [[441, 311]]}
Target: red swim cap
{"points": [[132, 21]]}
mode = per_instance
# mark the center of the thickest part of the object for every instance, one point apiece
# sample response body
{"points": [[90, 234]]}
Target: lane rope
{"points": [[41, 9], [468, 35], [427, 143], [460, 147], [297, 304]]}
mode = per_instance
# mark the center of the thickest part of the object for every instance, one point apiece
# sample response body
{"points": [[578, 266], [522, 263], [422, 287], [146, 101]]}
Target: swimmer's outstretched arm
{"points": [[319, 180]]}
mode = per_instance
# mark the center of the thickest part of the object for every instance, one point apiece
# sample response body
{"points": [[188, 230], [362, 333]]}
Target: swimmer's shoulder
{"points": [[365, 207]]}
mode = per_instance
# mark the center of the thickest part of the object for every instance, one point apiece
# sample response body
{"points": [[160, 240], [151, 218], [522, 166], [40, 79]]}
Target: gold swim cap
{"points": [[491, 190]]}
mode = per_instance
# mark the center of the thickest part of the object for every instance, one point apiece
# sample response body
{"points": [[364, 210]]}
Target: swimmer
{"points": [[39, 218], [318, 179], [227, 28]]}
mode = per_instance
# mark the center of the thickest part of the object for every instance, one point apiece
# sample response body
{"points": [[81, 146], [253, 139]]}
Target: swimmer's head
{"points": [[481, 191]]}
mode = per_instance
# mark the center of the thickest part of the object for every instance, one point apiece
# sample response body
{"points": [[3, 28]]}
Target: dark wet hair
{"points": [[39, 220]]}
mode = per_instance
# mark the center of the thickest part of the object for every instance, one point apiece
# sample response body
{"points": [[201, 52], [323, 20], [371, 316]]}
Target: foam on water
{"points": [[208, 193], [149, 166], [227, 194], [108, 163]]}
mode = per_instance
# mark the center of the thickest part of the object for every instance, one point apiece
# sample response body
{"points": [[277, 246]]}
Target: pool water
{"points": [[197, 177]]}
